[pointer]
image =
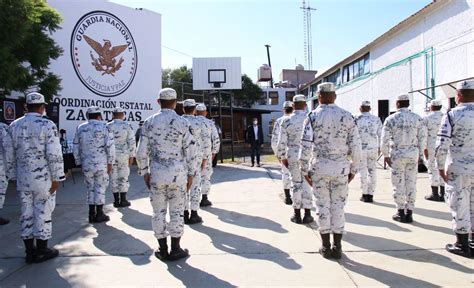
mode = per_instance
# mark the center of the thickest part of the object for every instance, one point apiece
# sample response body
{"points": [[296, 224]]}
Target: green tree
{"points": [[27, 47], [249, 94]]}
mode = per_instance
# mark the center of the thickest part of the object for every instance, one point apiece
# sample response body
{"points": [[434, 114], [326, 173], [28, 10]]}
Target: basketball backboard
{"points": [[218, 73]]}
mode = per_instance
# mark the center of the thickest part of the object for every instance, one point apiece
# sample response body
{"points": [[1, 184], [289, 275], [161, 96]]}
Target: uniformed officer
{"points": [[203, 152], [288, 148], [166, 159], [370, 130], [285, 173], [6, 165], [455, 161], [201, 112], [39, 168], [94, 149], [330, 139], [432, 122], [403, 142], [124, 140]]}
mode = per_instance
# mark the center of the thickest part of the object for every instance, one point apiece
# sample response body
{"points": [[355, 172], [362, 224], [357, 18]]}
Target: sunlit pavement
{"points": [[246, 239]]}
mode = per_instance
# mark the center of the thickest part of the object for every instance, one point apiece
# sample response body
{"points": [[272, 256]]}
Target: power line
{"points": [[177, 51]]}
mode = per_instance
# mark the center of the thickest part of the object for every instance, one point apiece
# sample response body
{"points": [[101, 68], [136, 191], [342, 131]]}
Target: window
{"points": [[334, 77], [289, 95], [314, 89], [263, 99], [356, 69], [273, 98]]}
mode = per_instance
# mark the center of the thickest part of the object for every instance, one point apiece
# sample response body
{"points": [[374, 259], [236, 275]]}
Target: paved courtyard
{"points": [[246, 239]]}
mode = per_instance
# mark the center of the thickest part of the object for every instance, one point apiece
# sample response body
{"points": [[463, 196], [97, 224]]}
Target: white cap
{"points": [[403, 97], [287, 104], [299, 98], [35, 98], [365, 103], [118, 110], [201, 107], [435, 102], [167, 94], [466, 85], [189, 103], [93, 110], [326, 87]]}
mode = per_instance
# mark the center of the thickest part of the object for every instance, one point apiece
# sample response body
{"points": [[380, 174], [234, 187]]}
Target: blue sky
{"points": [[223, 28]]}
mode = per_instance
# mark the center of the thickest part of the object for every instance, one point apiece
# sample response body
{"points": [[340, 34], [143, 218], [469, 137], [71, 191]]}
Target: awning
{"points": [[448, 88]]}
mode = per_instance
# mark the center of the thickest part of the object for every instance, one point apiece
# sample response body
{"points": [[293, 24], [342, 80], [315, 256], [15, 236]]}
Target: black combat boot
{"points": [[325, 250], [123, 200], [43, 253], [176, 251], [4, 221], [92, 213], [288, 200], [434, 194], [116, 200], [307, 217], [409, 216], [461, 247], [195, 218], [186, 217], [100, 216], [364, 198], [30, 250], [441, 193], [296, 218], [162, 252], [337, 246], [471, 244], [370, 198], [400, 216], [205, 202]]}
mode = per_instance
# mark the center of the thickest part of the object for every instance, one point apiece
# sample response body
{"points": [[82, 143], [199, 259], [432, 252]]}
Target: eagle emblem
{"points": [[106, 62]]}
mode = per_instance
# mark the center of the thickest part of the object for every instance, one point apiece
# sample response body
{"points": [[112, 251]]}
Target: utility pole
{"points": [[270, 65]]}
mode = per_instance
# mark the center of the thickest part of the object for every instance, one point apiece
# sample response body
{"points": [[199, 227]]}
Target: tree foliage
{"points": [[181, 80], [27, 47]]}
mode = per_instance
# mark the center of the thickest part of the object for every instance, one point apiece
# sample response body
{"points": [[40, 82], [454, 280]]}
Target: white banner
{"points": [[112, 58]]}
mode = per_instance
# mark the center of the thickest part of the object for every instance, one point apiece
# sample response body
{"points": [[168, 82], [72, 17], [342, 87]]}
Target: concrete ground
{"points": [[246, 239]]}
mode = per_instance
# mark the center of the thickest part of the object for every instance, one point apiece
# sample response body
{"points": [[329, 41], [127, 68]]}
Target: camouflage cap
{"points": [[201, 107], [118, 110], [403, 97], [93, 110], [287, 104], [326, 87], [466, 85], [299, 98], [35, 98], [189, 103], [435, 102], [167, 94], [365, 103]]}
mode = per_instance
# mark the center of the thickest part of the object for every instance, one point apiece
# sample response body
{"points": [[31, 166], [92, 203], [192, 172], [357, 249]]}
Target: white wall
{"points": [[139, 99], [449, 30]]}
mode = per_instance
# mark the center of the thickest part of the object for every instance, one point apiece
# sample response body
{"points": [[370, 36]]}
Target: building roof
{"points": [[394, 30]]}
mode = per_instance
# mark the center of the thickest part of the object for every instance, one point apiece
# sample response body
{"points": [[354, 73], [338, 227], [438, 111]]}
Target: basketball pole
{"points": [[220, 121], [232, 125]]}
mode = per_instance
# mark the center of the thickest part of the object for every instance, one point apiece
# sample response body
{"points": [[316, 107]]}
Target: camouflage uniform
{"points": [[203, 151], [403, 140], [330, 136], [38, 162], [285, 173], [215, 146], [455, 149], [94, 149], [432, 122], [6, 161], [288, 148], [370, 130], [124, 141], [167, 151]]}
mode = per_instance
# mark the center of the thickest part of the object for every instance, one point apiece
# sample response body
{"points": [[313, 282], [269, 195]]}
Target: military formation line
{"points": [[320, 153]]}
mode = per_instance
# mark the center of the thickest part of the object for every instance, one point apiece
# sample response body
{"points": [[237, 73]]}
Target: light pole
{"points": [[269, 64]]}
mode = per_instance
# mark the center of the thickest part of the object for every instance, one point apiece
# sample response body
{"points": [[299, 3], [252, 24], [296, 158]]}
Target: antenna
{"points": [[308, 46]]}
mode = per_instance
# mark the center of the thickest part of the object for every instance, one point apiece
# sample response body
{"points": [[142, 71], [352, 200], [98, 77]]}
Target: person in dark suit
{"points": [[254, 137]]}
